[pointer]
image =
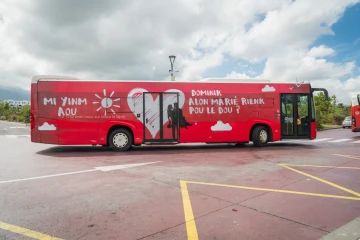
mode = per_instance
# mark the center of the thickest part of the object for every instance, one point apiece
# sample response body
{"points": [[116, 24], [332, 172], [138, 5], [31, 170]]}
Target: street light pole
{"points": [[172, 60]]}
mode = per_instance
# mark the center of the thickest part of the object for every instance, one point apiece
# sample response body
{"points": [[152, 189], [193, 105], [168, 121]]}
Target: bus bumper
{"points": [[356, 129]]}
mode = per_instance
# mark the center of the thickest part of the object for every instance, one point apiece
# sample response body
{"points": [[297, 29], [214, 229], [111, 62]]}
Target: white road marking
{"points": [[117, 167], [16, 136], [47, 176], [320, 140], [17, 127], [103, 169], [341, 140]]}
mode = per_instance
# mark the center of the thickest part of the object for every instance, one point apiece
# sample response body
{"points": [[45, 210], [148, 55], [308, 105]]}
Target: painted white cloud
{"points": [[267, 88], [220, 126], [47, 127]]}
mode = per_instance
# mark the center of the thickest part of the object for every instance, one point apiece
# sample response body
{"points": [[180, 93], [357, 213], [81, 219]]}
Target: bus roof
{"points": [[38, 78]]}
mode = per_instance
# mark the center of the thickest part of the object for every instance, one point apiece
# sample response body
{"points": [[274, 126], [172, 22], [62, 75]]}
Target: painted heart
{"points": [[152, 111]]}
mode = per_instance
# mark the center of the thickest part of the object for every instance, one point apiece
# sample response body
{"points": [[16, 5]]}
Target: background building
{"points": [[17, 103]]}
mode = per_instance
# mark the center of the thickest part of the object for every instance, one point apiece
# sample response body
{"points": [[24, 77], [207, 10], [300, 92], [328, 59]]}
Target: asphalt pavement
{"points": [[13, 129], [287, 190]]}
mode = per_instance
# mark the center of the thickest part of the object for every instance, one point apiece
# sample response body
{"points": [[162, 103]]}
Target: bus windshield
{"points": [[355, 100]]}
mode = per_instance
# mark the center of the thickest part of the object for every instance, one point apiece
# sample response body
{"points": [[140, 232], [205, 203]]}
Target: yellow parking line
{"points": [[347, 156], [316, 166], [26, 232], [275, 190], [189, 216], [322, 180]]}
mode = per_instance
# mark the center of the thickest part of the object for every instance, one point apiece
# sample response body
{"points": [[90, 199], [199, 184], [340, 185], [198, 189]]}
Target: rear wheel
{"points": [[120, 140], [260, 136]]}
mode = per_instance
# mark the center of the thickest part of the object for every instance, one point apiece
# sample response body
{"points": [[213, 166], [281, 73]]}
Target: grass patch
{"points": [[330, 126]]}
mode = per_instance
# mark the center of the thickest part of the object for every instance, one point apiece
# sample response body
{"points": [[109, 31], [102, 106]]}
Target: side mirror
{"points": [[321, 90]]}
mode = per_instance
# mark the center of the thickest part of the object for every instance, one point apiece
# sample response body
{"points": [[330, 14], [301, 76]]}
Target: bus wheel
{"points": [[120, 140], [260, 136]]}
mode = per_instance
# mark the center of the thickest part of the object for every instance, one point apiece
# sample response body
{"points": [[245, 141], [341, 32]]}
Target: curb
{"points": [[349, 231], [325, 129], [20, 123]]}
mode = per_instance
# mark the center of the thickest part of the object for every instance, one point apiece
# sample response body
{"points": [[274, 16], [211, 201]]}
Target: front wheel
{"points": [[260, 136], [120, 140]]}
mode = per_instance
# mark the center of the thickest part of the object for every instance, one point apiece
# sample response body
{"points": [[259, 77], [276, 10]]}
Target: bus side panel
{"points": [[59, 106], [43, 129], [135, 126], [211, 112], [229, 117], [355, 113], [355, 118], [34, 133]]}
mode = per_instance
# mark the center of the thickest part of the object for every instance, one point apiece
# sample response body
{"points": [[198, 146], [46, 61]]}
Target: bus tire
{"points": [[120, 140], [260, 136]]}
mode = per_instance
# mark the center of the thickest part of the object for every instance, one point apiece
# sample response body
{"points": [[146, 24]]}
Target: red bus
{"points": [[121, 113], [355, 113]]}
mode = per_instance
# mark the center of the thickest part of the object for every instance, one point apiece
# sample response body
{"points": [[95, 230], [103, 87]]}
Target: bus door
{"points": [[161, 117], [295, 116]]}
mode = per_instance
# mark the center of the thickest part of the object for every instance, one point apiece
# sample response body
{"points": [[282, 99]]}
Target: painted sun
{"points": [[106, 102]]}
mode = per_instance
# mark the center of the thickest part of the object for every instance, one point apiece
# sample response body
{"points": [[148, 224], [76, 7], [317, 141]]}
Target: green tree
{"points": [[7, 106], [303, 106], [25, 113], [323, 108], [2, 107], [2, 111]]}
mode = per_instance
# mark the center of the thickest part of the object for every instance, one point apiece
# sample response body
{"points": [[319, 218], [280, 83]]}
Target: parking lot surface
{"points": [[290, 190]]}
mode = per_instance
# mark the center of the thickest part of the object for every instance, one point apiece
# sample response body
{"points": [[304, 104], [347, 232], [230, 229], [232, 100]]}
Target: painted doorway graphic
{"points": [[161, 117]]}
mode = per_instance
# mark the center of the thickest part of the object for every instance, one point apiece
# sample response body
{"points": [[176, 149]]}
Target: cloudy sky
{"points": [[280, 40]]}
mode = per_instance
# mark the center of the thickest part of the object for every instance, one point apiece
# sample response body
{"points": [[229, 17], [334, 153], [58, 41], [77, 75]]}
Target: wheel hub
{"points": [[120, 140], [263, 136]]}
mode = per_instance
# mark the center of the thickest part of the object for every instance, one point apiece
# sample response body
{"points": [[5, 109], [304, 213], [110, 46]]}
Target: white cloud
{"points": [[47, 127], [320, 51], [234, 74], [267, 88], [109, 40], [220, 126]]}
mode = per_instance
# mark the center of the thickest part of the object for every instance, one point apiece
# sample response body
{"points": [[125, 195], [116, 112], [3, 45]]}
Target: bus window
{"points": [[313, 112], [303, 115], [283, 109], [303, 106]]}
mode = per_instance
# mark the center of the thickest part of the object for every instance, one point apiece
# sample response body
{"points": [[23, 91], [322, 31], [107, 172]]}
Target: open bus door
{"points": [[295, 115], [161, 117], [298, 115]]}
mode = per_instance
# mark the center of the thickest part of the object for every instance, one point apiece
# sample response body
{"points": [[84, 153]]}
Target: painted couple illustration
{"points": [[176, 118]]}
